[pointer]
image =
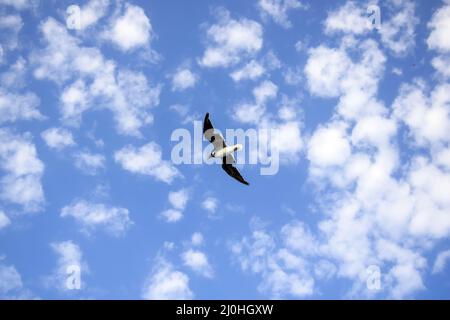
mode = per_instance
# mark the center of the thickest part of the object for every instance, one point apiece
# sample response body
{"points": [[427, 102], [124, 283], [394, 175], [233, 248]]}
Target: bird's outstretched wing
{"points": [[232, 171], [214, 137]]}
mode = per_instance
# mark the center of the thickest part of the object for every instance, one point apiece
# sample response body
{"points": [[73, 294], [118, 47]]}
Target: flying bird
{"points": [[221, 150]]}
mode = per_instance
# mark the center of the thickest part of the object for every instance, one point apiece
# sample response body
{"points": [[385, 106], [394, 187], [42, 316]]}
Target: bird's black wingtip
{"points": [[207, 115]]}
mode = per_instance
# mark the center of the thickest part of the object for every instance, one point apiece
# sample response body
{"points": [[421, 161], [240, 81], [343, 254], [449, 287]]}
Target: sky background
{"points": [[89, 98]]}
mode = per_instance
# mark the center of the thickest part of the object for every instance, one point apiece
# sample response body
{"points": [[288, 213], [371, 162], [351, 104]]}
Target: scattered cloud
{"points": [[441, 261], [22, 180], [183, 79], [89, 163], [87, 79], [278, 10], [166, 283], [210, 204], [69, 256], [92, 216], [58, 138], [198, 262], [230, 40], [146, 160], [4, 220], [130, 30]]}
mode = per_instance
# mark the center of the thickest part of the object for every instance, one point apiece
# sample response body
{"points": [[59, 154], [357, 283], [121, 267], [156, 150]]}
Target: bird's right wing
{"points": [[214, 137]]}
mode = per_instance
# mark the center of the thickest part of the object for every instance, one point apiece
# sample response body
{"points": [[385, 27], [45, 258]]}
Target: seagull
{"points": [[222, 151]]}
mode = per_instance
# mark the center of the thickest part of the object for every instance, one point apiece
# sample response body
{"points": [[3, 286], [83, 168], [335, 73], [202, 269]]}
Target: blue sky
{"points": [[89, 98]]}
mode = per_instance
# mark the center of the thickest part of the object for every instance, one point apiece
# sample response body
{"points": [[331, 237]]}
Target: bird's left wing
{"points": [[233, 171]]}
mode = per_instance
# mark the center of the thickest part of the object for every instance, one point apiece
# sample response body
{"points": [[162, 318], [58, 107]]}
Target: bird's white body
{"points": [[226, 151]]}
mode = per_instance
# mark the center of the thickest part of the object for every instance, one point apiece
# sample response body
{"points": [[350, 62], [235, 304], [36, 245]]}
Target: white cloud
{"points": [[89, 163], [397, 25], [178, 199], [210, 204], [283, 269], [197, 261], [91, 12], [10, 280], [57, 138], [15, 104], [252, 70], [91, 216], [183, 79], [440, 28], [427, 118], [166, 283], [325, 69], [172, 215], [90, 81], [4, 220], [18, 4], [398, 32], [231, 40], [331, 73], [21, 184], [146, 160], [442, 64], [441, 261], [253, 112], [278, 9], [130, 30], [69, 255], [349, 18], [328, 146], [10, 26], [265, 91], [196, 239]]}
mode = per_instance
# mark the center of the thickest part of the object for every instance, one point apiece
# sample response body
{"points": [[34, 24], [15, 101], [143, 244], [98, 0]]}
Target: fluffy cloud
{"points": [[15, 104], [10, 282], [440, 27], [441, 261], [183, 79], [172, 215], [130, 30], [197, 261], [330, 72], [278, 9], [91, 216], [146, 160], [91, 12], [58, 138], [397, 28], [88, 79], [178, 199], [89, 163], [231, 40], [282, 266], [197, 239], [18, 4], [328, 146], [210, 204], [21, 183], [252, 70], [349, 18], [69, 256], [10, 26], [166, 283], [4, 220]]}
